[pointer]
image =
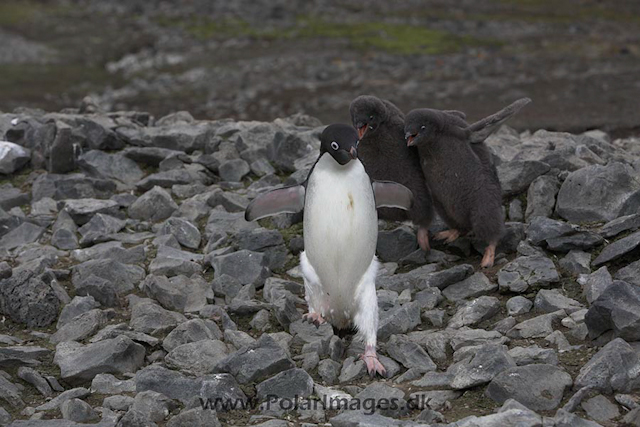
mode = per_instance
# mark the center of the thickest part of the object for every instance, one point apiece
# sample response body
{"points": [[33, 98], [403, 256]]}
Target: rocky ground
{"points": [[579, 60], [132, 289]]}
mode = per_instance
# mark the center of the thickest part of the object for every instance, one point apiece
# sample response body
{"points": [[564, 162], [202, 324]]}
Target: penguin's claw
{"points": [[314, 318], [370, 358], [423, 239], [448, 235], [489, 256]]}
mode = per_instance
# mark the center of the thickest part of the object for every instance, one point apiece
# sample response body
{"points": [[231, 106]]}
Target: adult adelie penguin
{"points": [[340, 235], [458, 169], [385, 156]]}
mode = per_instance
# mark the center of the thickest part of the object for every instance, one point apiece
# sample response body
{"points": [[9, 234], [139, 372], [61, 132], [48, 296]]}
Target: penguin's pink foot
{"points": [[448, 235], [314, 318], [489, 256], [372, 362], [423, 239]]}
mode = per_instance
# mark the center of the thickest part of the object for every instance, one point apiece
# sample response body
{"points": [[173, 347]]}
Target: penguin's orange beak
{"points": [[410, 139], [362, 130]]}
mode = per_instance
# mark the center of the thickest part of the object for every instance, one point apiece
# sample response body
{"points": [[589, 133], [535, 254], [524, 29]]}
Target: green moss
{"points": [[393, 38]]}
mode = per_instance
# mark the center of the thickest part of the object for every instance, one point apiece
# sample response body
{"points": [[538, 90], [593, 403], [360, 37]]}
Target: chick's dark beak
{"points": [[362, 129], [353, 153], [409, 137]]}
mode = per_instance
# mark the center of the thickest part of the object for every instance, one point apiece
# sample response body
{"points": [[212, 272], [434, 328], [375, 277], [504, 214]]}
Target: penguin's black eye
{"points": [[334, 145], [370, 117], [423, 128]]}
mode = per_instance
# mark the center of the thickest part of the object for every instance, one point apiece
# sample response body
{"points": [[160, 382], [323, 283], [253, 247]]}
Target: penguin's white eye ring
{"points": [[423, 128], [334, 145]]}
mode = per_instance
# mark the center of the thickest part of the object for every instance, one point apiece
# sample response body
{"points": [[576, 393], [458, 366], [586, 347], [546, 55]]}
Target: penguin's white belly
{"points": [[340, 233]]}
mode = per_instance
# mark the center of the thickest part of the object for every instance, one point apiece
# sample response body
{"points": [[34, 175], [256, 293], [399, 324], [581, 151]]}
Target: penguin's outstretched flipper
{"points": [[390, 194], [481, 129], [283, 200]]}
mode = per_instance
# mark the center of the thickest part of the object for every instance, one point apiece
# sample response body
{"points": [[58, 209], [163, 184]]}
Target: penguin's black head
{"points": [[367, 114], [341, 141], [427, 126]]}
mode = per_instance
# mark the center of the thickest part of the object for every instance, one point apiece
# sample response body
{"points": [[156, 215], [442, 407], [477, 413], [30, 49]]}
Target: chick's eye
{"points": [[370, 117], [334, 145], [423, 128]]}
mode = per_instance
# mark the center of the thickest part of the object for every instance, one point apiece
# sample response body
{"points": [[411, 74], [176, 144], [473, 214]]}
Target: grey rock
{"points": [[178, 293], [286, 148], [612, 369], [166, 179], [290, 384], [154, 205], [409, 354], [22, 235], [100, 289], [123, 277], [580, 240], [598, 193], [5, 417], [135, 418], [261, 167], [542, 228], [360, 419], [197, 357], [178, 137], [10, 393], [515, 210], [64, 232], [109, 384], [352, 370], [576, 262], [185, 232], [196, 417], [398, 320], [151, 156], [78, 410], [532, 355], [110, 166], [629, 274], [118, 403], [228, 287], [29, 298], [378, 394], [81, 326], [82, 210], [618, 248], [600, 408], [153, 405], [488, 361], [150, 318], [329, 370], [396, 244], [79, 393], [246, 266], [474, 286], [537, 327], [538, 387], [175, 385], [515, 176], [632, 417], [11, 197], [551, 300], [72, 186], [620, 224], [518, 305], [253, 363], [191, 331], [541, 196], [474, 312], [506, 417], [526, 271], [434, 399], [233, 170], [80, 363], [12, 157], [19, 355], [99, 228], [444, 278], [617, 309], [429, 298], [595, 284], [34, 378]]}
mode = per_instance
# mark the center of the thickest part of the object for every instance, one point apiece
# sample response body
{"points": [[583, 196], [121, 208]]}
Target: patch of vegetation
{"points": [[14, 12], [393, 38]]}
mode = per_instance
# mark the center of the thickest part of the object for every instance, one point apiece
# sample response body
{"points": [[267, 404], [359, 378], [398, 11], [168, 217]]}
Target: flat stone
{"points": [[81, 326], [22, 235], [74, 393], [515, 176], [526, 271], [12, 157], [618, 225], [123, 277], [109, 384], [196, 417], [518, 305], [581, 240], [197, 357], [537, 327], [629, 274], [290, 384], [532, 355], [551, 300], [30, 298], [185, 232], [150, 318], [600, 409], [34, 378], [246, 266], [78, 410], [617, 309], [474, 312], [110, 166], [595, 284], [618, 248], [154, 205], [576, 262], [542, 228], [612, 369], [396, 244], [82, 210], [398, 320], [409, 354], [80, 363], [444, 278], [191, 331], [474, 286], [253, 363], [538, 387], [179, 293], [488, 361]]}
